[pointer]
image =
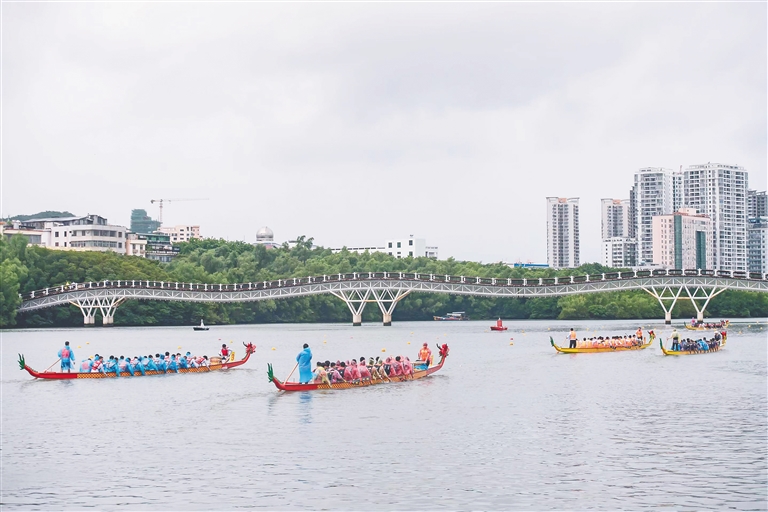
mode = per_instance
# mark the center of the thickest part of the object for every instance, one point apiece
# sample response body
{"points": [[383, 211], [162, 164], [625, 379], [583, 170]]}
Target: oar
{"points": [[289, 375], [59, 359]]}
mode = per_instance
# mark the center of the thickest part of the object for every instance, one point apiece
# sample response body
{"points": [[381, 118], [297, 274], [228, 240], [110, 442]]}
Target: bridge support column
{"points": [[89, 306], [668, 295], [700, 293], [356, 301], [387, 299]]}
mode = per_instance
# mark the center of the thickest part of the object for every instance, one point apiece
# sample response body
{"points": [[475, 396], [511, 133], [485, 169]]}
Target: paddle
{"points": [[289, 375], [59, 359]]}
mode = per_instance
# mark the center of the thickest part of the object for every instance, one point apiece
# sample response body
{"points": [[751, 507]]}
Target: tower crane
{"points": [[161, 201]]}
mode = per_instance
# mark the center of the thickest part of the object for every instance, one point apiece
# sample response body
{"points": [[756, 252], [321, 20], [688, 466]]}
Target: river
{"points": [[506, 424]]}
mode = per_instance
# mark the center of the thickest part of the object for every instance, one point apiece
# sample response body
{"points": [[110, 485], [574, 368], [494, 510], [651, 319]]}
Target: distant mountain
{"points": [[41, 215]]}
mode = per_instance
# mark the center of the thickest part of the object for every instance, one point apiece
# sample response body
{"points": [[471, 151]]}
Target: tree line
{"points": [[26, 268]]}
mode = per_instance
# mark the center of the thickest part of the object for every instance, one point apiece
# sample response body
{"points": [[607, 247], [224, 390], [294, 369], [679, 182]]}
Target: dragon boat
{"points": [[691, 352], [708, 326], [313, 386], [250, 348], [604, 348]]}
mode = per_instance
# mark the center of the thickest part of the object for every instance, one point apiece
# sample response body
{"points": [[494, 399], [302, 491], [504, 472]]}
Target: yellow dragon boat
{"points": [[691, 352], [711, 326], [604, 347]]}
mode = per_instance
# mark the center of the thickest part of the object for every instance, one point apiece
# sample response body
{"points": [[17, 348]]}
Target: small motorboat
{"points": [[452, 317], [200, 327], [498, 326]]}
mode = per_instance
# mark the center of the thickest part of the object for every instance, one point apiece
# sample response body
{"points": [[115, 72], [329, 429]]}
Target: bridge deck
{"points": [[411, 282]]}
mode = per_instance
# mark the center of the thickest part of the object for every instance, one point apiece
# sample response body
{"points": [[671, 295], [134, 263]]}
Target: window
{"points": [[389, 246], [120, 245], [410, 242], [57, 236], [57, 243], [398, 245], [410, 253]]}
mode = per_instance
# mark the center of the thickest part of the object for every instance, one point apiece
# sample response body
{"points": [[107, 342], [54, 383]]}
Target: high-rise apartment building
{"points": [[143, 223], [757, 204], [619, 249], [757, 244], [653, 194], [720, 192], [681, 240], [562, 232]]}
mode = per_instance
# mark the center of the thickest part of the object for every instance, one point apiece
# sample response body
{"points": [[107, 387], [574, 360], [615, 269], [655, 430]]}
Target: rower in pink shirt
{"points": [[407, 366], [397, 367], [365, 374]]}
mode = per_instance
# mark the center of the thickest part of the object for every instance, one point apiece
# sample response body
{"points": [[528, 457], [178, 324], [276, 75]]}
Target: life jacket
{"points": [[65, 354], [573, 335], [85, 365], [225, 351]]}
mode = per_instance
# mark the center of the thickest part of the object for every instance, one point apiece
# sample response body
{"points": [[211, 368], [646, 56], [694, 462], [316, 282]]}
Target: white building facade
{"points": [[563, 232], [410, 247], [757, 244], [619, 247], [720, 192], [682, 240], [88, 233], [181, 233], [655, 192]]}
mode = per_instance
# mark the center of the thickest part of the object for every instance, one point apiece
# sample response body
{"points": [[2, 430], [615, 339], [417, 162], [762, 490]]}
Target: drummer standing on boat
{"points": [[304, 360], [67, 357]]}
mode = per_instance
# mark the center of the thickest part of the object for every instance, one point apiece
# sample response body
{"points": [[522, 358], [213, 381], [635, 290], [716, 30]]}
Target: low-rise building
{"points": [[181, 233], [87, 233], [681, 240], [399, 248]]}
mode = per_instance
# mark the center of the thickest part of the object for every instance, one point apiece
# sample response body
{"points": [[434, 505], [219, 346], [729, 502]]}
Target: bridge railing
{"points": [[396, 276]]}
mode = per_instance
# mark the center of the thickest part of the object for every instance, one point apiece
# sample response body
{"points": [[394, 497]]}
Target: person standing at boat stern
{"points": [[573, 338], [675, 336], [305, 365], [67, 357]]}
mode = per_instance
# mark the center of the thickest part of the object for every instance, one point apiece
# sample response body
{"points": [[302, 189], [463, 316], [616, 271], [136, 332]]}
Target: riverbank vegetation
{"points": [[25, 268]]}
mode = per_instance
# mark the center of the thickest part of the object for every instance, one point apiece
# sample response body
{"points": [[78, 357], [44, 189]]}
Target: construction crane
{"points": [[161, 201]]}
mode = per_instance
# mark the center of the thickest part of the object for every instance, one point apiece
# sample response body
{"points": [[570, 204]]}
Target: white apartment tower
{"points": [[619, 248], [720, 192], [562, 232], [654, 193]]}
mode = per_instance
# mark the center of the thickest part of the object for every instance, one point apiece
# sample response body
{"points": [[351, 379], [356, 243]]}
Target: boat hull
{"points": [[499, 329], [313, 386], [200, 328], [591, 350], [112, 375]]}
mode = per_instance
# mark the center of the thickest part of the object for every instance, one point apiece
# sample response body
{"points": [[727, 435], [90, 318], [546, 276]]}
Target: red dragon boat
{"points": [[313, 386], [498, 326], [250, 348]]}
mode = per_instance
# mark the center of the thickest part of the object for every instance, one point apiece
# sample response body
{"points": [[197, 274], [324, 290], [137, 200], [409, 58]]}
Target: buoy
{"points": [[179, 346], [511, 343], [383, 350], [408, 343], [511, 338], [78, 346], [325, 341], [87, 342], [411, 333], [273, 348]]}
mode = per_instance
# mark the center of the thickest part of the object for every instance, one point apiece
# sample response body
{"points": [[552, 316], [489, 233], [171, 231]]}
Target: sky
{"points": [[355, 123]]}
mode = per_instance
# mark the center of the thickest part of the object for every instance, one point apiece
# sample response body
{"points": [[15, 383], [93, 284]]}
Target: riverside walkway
{"points": [[388, 288]]}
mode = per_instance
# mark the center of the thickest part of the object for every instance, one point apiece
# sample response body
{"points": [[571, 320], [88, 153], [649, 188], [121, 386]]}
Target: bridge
{"points": [[388, 288]]}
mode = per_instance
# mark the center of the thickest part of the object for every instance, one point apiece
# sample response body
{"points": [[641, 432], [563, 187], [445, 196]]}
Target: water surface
{"points": [[507, 424]]}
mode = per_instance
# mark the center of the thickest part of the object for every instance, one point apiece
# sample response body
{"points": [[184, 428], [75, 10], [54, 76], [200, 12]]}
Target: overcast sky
{"points": [[354, 123]]}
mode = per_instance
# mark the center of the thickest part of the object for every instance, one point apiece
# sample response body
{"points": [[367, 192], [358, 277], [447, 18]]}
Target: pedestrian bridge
{"points": [[388, 288]]}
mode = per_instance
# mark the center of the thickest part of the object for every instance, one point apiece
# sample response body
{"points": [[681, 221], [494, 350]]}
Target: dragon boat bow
{"points": [[604, 347], [250, 348], [313, 386]]}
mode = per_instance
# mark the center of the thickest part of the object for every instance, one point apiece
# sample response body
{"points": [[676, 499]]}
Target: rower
{"points": [[224, 353]]}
